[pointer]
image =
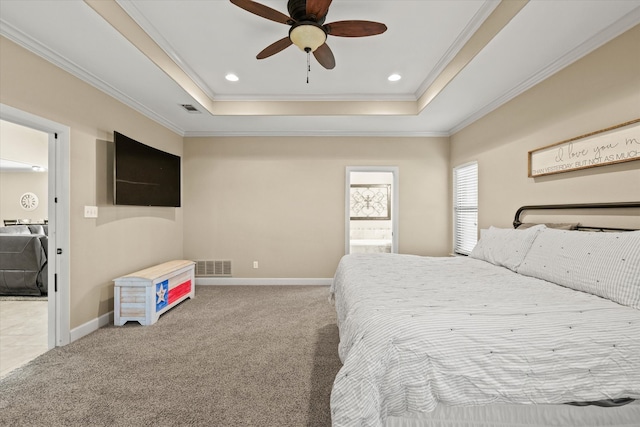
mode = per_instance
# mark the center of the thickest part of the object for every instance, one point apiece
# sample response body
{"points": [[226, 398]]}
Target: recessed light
{"points": [[394, 77], [231, 77]]}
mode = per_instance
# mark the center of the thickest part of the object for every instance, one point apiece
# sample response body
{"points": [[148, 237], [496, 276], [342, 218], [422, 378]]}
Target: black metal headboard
{"points": [[615, 205]]}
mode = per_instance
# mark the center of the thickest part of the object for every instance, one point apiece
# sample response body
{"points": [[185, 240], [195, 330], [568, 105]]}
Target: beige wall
{"points": [[122, 239], [600, 90], [280, 201]]}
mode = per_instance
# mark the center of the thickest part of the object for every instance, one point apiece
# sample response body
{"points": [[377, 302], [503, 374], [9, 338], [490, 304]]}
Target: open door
{"points": [[371, 198], [58, 220]]}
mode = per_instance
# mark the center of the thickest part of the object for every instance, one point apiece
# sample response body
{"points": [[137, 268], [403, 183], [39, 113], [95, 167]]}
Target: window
{"points": [[465, 208]]}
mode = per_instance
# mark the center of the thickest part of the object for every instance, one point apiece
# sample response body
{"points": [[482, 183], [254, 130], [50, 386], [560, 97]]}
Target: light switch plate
{"points": [[91, 212]]}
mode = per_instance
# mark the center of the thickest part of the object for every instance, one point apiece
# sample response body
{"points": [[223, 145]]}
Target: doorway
{"points": [[23, 208], [58, 259], [371, 202]]}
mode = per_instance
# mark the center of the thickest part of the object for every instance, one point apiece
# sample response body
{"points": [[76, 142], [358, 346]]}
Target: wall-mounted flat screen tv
{"points": [[143, 175]]}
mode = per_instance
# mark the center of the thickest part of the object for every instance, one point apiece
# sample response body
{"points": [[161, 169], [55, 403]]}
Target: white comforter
{"points": [[417, 331]]}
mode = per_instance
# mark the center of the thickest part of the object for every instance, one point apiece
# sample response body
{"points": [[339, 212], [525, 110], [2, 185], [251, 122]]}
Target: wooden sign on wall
{"points": [[616, 144]]}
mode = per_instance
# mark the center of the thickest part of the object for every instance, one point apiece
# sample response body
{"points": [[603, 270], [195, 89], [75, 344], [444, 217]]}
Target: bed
{"points": [[23, 260], [537, 327]]}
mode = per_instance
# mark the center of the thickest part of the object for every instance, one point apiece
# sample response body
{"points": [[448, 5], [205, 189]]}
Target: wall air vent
{"points": [[213, 268], [190, 108]]}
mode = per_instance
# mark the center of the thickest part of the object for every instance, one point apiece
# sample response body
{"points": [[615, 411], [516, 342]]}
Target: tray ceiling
{"points": [[458, 60]]}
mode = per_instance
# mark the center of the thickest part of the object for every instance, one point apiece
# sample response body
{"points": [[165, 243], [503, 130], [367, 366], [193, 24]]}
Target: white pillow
{"points": [[505, 247], [603, 264]]}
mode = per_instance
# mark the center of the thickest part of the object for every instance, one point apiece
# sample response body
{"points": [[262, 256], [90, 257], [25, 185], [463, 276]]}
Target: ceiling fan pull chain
{"points": [[308, 62]]}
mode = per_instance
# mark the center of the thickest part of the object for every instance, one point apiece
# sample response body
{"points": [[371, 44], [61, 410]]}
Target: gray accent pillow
{"points": [[602, 264]]}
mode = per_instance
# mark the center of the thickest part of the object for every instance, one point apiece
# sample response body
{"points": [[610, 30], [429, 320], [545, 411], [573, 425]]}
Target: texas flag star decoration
{"points": [[162, 289]]}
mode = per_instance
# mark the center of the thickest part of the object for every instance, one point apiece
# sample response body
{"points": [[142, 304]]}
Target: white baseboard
{"points": [[239, 281], [91, 326]]}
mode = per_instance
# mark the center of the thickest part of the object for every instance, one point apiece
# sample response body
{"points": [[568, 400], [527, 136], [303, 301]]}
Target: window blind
{"points": [[465, 208]]}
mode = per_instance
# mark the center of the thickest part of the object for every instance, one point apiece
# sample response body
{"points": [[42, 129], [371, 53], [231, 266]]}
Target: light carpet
{"points": [[233, 356]]}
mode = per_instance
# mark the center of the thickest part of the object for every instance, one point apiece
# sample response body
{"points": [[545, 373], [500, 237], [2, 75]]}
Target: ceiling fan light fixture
{"points": [[308, 35]]}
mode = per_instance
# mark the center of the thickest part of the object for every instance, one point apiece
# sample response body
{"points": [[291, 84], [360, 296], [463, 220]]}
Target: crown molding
{"points": [[142, 21], [606, 35], [480, 16], [32, 45], [318, 97], [316, 133]]}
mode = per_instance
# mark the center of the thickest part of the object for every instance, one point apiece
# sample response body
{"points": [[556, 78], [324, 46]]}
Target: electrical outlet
{"points": [[255, 264], [91, 212]]}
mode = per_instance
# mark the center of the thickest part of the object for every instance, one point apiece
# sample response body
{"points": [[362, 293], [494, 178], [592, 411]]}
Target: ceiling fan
{"points": [[308, 30]]}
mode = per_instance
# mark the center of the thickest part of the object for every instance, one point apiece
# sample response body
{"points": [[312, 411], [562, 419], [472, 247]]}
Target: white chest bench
{"points": [[144, 295]]}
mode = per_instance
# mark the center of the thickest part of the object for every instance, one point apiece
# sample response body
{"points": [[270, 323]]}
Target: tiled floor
{"points": [[23, 333]]}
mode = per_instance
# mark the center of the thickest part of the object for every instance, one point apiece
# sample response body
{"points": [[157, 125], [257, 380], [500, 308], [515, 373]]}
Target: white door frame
{"points": [[58, 201], [395, 171]]}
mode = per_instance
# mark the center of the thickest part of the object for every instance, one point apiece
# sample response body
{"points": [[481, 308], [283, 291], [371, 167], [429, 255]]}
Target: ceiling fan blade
{"points": [[355, 28], [318, 8], [325, 57], [263, 11], [274, 48]]}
